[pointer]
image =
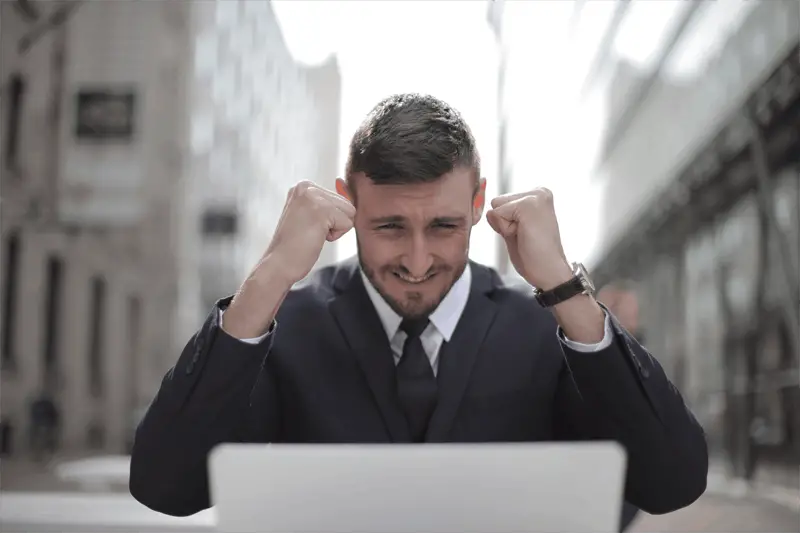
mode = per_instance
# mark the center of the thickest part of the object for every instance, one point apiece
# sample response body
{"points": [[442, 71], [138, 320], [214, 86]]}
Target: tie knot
{"points": [[414, 327]]}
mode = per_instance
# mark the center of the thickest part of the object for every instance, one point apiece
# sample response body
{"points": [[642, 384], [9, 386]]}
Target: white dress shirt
{"points": [[443, 322]]}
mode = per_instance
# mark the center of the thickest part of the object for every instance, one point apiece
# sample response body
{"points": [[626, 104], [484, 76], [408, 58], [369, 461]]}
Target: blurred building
{"points": [[701, 171], [91, 131], [260, 122], [147, 151]]}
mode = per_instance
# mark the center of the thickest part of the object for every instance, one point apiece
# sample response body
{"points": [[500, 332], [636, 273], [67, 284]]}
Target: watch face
{"points": [[583, 275]]}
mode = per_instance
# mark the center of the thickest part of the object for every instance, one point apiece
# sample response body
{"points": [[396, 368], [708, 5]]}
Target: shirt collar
{"points": [[444, 318]]}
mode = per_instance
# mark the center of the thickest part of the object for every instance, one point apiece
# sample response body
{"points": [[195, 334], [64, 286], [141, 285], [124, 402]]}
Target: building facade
{"points": [[138, 186], [260, 123], [89, 273], [701, 171]]}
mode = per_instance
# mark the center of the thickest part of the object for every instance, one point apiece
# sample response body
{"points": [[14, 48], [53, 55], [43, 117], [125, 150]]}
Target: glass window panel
{"points": [[594, 22], [705, 36], [205, 54], [645, 29]]}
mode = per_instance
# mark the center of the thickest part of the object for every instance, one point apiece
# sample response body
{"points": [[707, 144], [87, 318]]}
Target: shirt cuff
{"points": [[254, 340], [608, 336]]}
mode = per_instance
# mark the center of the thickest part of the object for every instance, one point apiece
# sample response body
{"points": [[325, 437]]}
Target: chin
{"points": [[415, 302]]}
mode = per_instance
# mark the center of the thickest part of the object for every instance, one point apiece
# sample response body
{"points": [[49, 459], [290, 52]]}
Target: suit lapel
{"points": [[363, 331], [458, 356]]}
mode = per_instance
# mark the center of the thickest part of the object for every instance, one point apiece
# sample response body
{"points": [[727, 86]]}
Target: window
{"points": [[10, 283], [6, 437], [646, 30], [16, 93], [105, 115], [219, 222], [96, 336], [52, 319]]}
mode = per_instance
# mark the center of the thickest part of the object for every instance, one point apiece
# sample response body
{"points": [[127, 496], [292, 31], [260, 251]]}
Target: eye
{"points": [[445, 225], [389, 225]]}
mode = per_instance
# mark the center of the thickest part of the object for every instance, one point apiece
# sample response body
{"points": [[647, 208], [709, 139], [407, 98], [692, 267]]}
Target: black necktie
{"points": [[416, 384]]}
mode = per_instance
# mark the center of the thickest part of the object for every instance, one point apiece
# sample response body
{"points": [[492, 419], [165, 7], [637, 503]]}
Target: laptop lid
{"points": [[430, 488]]}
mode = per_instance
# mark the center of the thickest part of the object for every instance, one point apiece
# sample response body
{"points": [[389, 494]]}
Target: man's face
{"points": [[413, 240]]}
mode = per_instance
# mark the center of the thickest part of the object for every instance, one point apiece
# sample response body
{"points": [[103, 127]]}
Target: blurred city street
{"points": [[728, 514], [148, 150]]}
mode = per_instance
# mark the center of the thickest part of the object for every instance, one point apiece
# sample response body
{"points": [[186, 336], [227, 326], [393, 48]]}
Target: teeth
{"points": [[412, 279]]}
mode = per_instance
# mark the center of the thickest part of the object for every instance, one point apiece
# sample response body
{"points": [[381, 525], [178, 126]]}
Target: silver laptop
{"points": [[430, 488]]}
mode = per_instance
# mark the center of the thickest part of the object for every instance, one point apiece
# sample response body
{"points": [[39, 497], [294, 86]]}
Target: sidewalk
{"points": [[720, 484], [731, 506], [26, 475], [716, 513]]}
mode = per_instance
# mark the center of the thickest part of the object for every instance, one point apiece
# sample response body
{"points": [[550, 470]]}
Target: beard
{"points": [[413, 307]]}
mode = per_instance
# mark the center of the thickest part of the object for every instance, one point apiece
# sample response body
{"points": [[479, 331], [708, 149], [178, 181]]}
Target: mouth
{"points": [[413, 280]]}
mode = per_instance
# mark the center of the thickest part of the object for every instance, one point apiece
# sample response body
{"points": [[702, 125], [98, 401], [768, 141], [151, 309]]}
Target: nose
{"points": [[417, 259]]}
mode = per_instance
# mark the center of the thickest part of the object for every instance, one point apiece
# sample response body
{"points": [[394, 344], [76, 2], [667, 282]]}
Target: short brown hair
{"points": [[411, 138]]}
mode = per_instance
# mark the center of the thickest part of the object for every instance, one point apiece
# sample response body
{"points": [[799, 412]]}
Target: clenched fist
{"points": [[311, 216], [527, 221]]}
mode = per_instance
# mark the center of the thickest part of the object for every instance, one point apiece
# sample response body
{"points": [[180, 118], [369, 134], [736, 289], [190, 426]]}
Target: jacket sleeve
{"points": [[220, 390], [621, 393]]}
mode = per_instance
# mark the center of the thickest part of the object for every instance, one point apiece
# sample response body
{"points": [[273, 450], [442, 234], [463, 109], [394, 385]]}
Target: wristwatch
{"points": [[579, 284]]}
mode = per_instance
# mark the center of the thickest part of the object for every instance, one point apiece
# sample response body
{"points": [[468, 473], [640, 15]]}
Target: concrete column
{"points": [[116, 367], [29, 333], [75, 349]]}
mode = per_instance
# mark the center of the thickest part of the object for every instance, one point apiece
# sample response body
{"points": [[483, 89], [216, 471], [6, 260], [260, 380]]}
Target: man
{"points": [[412, 342], [45, 425], [620, 299]]}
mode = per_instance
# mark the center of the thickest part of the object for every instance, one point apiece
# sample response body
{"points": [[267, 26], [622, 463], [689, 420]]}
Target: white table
{"points": [[96, 474], [34, 512]]}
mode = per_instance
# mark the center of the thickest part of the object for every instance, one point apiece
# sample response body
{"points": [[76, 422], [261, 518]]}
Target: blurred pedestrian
{"points": [[45, 426], [621, 299]]}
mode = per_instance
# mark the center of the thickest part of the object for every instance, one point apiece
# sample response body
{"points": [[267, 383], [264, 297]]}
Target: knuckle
{"points": [[303, 186]]}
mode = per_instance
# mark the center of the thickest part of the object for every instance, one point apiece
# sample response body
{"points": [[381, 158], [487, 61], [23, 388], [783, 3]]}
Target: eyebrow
{"points": [[395, 219], [387, 220], [456, 220]]}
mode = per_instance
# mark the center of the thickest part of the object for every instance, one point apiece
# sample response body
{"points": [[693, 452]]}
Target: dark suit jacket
{"points": [[325, 374]]}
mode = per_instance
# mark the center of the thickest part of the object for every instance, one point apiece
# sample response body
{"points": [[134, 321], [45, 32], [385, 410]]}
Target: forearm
{"points": [[203, 401], [581, 318], [623, 395], [256, 303]]}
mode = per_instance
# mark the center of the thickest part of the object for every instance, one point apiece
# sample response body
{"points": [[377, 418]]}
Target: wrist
{"points": [[581, 318], [561, 272]]}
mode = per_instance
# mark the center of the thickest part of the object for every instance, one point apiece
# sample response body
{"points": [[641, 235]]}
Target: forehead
{"points": [[452, 192]]}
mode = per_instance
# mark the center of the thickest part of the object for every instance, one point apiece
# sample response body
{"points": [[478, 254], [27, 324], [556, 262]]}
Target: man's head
{"points": [[413, 173]]}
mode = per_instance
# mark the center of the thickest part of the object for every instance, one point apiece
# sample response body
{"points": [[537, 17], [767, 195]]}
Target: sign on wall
{"points": [[105, 114], [122, 122]]}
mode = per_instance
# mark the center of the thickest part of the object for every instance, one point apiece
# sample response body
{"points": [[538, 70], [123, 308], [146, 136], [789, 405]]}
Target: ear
{"points": [[479, 201], [343, 190]]}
